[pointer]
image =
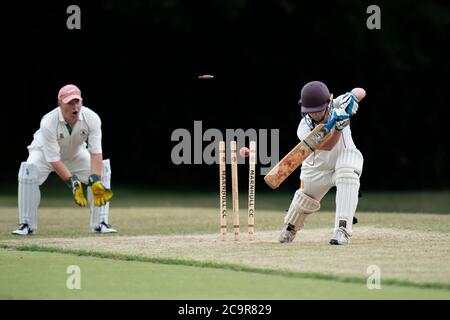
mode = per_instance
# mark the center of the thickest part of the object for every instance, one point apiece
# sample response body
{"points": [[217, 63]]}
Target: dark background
{"points": [[137, 63]]}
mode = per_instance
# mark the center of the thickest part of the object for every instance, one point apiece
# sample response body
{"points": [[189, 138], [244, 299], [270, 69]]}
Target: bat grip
{"points": [[330, 124]]}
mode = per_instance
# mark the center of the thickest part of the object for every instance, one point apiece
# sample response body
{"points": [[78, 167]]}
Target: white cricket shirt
{"points": [[322, 159], [59, 144]]}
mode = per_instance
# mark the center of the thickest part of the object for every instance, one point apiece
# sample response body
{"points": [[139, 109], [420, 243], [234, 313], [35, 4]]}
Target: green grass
{"points": [[407, 202], [123, 272], [225, 266], [118, 279]]}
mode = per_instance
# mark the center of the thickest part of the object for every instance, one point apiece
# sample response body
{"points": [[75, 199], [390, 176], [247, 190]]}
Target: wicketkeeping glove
{"points": [[349, 103], [75, 185], [101, 194], [342, 119]]}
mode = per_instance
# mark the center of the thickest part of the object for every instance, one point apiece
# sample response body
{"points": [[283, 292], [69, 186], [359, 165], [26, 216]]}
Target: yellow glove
{"points": [[101, 194], [77, 189]]}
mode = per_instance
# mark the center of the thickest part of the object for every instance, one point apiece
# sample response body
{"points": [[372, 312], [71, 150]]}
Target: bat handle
{"points": [[330, 124]]}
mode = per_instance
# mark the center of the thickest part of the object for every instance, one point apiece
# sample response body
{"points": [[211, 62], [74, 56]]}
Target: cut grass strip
{"points": [[225, 266]]}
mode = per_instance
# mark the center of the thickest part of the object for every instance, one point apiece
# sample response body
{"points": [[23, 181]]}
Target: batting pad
{"points": [[348, 171], [29, 195], [100, 214], [302, 205]]}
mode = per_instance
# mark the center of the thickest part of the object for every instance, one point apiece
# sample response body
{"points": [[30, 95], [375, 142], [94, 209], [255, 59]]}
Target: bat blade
{"points": [[297, 155]]}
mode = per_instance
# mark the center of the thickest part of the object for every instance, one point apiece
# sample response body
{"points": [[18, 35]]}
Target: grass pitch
{"points": [[171, 251], [117, 279]]}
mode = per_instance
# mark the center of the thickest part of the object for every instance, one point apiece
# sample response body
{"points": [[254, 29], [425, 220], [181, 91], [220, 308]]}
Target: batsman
{"points": [[68, 142], [335, 162]]}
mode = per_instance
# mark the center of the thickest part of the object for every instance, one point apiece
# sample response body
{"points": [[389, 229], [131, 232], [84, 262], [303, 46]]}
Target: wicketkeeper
{"points": [[69, 142], [337, 162]]}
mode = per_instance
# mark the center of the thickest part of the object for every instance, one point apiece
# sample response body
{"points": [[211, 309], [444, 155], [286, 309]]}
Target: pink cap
{"points": [[68, 93]]}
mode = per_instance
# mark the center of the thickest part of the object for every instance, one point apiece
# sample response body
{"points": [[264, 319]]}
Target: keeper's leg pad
{"points": [[301, 206], [100, 214], [29, 195], [347, 174]]}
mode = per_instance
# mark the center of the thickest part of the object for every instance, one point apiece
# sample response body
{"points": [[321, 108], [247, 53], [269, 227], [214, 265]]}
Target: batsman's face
{"points": [[71, 110], [318, 116]]}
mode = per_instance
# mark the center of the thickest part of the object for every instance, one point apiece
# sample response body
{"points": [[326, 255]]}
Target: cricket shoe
{"points": [[287, 234], [341, 236], [104, 228], [23, 230]]}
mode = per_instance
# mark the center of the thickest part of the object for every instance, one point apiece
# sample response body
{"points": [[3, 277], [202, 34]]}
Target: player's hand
{"points": [[342, 119], [349, 103], [101, 194], [75, 185]]}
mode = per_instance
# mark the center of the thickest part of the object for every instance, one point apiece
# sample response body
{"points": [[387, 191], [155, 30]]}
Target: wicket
{"points": [[235, 191], [251, 190], [223, 191]]}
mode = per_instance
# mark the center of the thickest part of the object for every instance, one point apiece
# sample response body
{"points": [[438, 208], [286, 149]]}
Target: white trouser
{"points": [[80, 164]]}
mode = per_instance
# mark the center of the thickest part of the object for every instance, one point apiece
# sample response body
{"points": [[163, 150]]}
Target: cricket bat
{"points": [[295, 157]]}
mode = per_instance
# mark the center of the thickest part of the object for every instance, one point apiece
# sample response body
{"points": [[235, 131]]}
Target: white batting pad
{"points": [[301, 206], [29, 195], [348, 171], [100, 214]]}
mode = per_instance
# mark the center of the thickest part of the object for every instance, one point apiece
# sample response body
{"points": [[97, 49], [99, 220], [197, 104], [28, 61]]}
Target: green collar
{"points": [[69, 128]]}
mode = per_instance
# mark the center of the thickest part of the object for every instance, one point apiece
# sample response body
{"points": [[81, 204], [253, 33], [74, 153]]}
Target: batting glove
{"points": [[342, 119], [349, 103], [75, 185], [101, 194]]}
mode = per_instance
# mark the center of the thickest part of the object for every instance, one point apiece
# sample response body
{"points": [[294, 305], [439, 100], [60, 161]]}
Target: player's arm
{"points": [[97, 164], [61, 170], [52, 153], [71, 181], [95, 143], [331, 141], [341, 121]]}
